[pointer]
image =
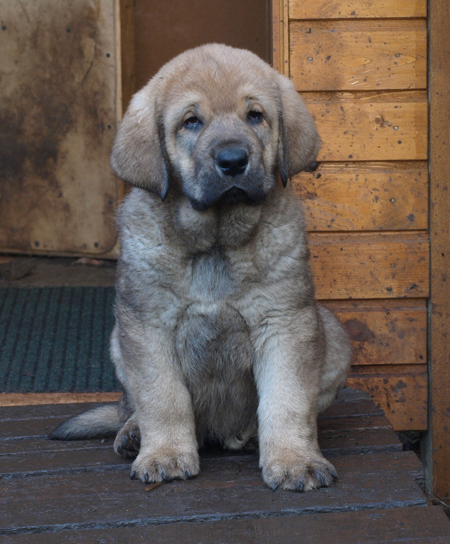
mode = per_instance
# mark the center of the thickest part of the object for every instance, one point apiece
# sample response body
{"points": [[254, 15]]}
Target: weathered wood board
{"points": [[358, 55], [371, 126], [79, 491], [30, 459], [365, 196], [357, 9], [438, 450], [58, 74], [400, 525], [226, 488]]}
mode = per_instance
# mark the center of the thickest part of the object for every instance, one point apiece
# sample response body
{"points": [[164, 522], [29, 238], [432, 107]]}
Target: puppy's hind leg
{"points": [[337, 359], [128, 439]]}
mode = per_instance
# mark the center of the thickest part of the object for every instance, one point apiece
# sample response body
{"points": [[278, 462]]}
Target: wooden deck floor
{"points": [[53, 492]]}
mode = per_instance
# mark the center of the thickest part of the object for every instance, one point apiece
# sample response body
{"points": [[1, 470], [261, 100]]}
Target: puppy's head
{"points": [[220, 124]]}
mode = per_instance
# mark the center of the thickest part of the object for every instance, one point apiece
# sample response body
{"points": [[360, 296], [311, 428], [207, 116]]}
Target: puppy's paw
{"points": [[165, 465], [297, 473], [128, 440]]}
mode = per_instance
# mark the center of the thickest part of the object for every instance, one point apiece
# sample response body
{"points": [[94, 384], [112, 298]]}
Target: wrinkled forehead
{"points": [[219, 88]]}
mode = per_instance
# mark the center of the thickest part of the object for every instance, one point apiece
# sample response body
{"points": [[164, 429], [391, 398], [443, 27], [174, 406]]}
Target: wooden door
{"points": [[59, 108]]}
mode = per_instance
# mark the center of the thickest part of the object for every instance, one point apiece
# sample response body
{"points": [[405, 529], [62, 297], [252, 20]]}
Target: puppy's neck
{"points": [[229, 226]]}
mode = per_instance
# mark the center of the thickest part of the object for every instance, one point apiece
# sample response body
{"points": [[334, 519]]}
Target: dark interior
{"points": [[163, 29]]}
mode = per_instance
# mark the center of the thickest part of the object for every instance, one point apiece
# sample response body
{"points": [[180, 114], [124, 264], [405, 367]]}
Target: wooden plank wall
{"points": [[361, 67]]}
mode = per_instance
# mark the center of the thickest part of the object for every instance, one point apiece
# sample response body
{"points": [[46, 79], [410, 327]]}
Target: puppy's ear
{"points": [[138, 155], [299, 141]]}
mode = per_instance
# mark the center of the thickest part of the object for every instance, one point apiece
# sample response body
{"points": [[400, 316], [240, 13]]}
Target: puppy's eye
{"points": [[192, 123], [255, 117]]}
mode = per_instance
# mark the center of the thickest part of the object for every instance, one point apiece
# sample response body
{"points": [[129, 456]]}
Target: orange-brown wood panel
{"points": [[339, 9], [365, 196], [358, 55], [371, 126], [365, 80], [362, 266], [384, 332], [403, 397]]}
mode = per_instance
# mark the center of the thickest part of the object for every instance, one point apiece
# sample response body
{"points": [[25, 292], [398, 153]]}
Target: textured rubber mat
{"points": [[56, 339]]}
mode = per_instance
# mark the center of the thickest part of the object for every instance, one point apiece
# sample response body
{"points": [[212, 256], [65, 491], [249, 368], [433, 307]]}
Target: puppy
{"points": [[218, 335]]}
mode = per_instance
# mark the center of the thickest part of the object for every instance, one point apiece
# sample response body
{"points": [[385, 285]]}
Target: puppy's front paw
{"points": [[298, 473], [165, 465]]}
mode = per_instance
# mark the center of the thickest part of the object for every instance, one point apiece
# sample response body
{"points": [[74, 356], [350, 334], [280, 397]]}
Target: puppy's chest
{"points": [[209, 278], [211, 333]]}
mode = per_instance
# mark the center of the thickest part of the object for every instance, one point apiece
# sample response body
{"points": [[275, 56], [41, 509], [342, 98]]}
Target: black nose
{"points": [[232, 160]]}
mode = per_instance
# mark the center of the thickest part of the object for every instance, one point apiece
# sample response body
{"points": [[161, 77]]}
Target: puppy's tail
{"points": [[97, 423]]}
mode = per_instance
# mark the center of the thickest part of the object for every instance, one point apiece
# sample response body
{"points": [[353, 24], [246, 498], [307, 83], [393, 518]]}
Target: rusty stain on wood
{"points": [[403, 397], [385, 332]]}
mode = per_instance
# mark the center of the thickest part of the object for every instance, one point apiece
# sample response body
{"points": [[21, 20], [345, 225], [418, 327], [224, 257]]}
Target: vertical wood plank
{"points": [[276, 35], [127, 81], [438, 468], [280, 36], [127, 51]]}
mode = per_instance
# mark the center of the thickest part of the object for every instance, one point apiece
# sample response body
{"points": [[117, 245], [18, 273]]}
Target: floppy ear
{"points": [[138, 155], [299, 141]]}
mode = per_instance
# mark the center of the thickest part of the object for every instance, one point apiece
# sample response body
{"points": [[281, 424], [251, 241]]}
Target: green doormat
{"points": [[56, 339]]}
